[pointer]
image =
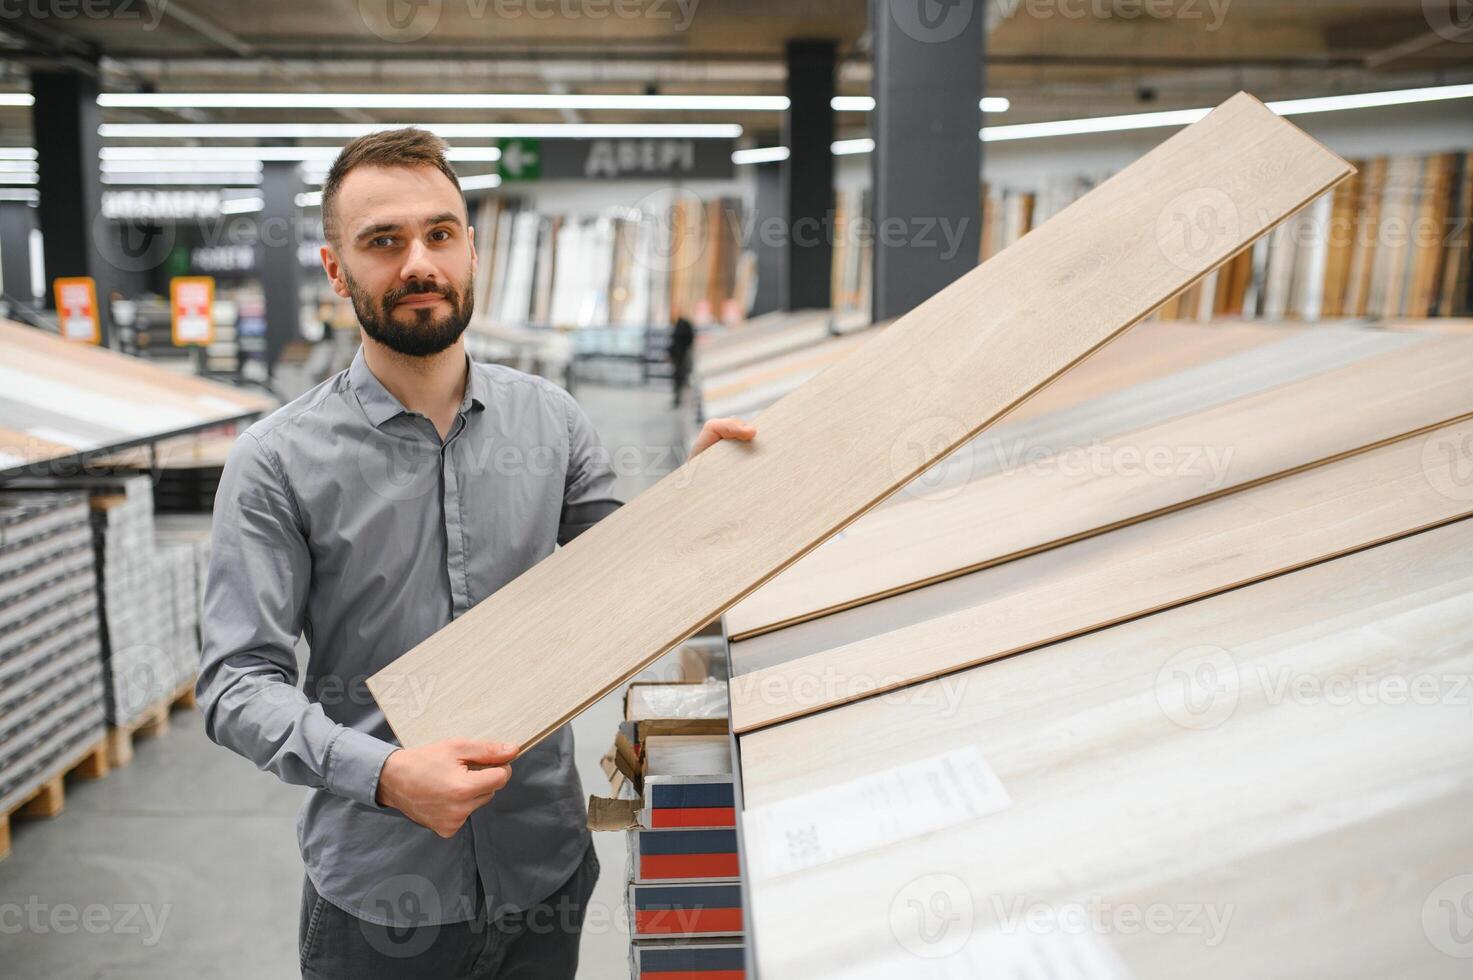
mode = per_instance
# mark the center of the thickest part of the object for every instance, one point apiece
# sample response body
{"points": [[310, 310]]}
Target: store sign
{"points": [[76, 309], [192, 303], [160, 205], [616, 159]]}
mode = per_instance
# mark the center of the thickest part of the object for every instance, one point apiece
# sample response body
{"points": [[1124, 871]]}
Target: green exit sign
{"points": [[521, 159]]}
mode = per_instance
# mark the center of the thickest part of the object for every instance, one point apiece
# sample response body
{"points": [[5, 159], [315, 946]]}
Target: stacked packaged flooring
{"points": [[137, 601], [51, 692], [672, 794]]}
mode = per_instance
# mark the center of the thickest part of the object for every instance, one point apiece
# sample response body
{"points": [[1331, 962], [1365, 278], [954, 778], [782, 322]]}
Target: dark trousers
{"points": [[540, 943]]}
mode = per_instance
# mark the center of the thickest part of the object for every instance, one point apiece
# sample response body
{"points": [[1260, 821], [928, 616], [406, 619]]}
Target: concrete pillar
{"points": [[808, 132], [281, 273], [17, 221], [769, 237], [927, 163], [64, 120]]}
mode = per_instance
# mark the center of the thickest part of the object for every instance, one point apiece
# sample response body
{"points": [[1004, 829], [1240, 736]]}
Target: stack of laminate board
{"points": [[137, 601], [1187, 644], [182, 542], [672, 794], [51, 692]]}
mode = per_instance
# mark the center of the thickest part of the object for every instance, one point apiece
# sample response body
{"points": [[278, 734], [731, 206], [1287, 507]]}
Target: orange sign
{"points": [[192, 299], [76, 309]]}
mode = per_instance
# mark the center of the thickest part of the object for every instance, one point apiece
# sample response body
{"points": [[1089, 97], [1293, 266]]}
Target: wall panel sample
{"points": [[1098, 482], [588, 617], [1215, 546], [1318, 799]]}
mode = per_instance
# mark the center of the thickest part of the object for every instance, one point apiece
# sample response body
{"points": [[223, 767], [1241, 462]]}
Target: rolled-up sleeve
{"points": [[588, 493], [255, 601]]}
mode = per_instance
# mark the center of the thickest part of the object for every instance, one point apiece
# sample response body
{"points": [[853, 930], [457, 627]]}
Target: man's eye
{"points": [[383, 241], [440, 235]]}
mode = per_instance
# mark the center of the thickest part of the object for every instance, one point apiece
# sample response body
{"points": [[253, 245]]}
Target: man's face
{"points": [[405, 257]]}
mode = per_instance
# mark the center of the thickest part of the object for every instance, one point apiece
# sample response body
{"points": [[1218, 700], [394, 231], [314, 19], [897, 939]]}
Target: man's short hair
{"points": [[407, 147]]}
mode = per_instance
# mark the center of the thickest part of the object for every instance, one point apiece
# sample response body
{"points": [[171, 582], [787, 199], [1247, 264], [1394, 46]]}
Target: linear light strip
{"points": [[448, 131], [434, 100]]}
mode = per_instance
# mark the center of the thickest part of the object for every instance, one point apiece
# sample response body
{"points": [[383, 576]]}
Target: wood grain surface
{"points": [[1102, 483], [1222, 544], [559, 637], [1314, 801]]}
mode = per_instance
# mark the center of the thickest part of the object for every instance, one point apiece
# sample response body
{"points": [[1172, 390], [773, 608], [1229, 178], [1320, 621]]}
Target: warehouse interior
{"points": [[1093, 600]]}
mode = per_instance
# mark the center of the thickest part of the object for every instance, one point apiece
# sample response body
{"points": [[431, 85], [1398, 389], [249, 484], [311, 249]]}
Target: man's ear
{"points": [[334, 270], [470, 234]]}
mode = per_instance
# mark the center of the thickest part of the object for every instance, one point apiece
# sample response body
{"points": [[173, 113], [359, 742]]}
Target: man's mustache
{"points": [[393, 296]]}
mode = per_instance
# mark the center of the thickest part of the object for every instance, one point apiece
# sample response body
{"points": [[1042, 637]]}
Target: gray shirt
{"points": [[342, 517]]}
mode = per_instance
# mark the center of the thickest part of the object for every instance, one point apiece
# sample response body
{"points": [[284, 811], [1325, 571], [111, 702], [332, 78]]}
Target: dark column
{"points": [[64, 120], [281, 273], [927, 164], [17, 221], [769, 237], [808, 131]]}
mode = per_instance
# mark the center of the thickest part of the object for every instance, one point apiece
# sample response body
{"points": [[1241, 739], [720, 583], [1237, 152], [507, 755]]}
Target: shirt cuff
{"points": [[354, 760]]}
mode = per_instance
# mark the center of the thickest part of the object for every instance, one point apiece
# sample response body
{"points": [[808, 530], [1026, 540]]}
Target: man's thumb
{"points": [[489, 753]]}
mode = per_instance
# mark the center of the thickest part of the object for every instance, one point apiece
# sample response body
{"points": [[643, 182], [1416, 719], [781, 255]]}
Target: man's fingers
{"points": [[486, 753], [484, 782], [717, 429]]}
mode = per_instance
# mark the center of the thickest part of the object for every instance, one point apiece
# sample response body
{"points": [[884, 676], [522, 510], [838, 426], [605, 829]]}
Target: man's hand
{"points": [[717, 429], [440, 785]]}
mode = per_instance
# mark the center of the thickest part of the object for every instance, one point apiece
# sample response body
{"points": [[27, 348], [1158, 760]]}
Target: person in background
{"points": [[681, 343]]}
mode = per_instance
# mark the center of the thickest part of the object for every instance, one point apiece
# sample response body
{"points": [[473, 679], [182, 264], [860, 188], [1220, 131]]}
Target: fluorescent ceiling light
{"points": [[191, 179], [248, 155], [10, 99], [1185, 117], [17, 166], [845, 147], [432, 100], [449, 131], [760, 154], [241, 205], [19, 194], [238, 165], [866, 103], [17, 153], [480, 182], [310, 199], [17, 179], [1371, 100]]}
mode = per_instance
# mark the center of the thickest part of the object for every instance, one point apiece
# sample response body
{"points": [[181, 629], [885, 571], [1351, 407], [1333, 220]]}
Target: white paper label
{"points": [[871, 811]]}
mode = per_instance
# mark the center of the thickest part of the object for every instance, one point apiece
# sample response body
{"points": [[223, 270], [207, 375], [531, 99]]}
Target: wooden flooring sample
{"points": [[588, 617], [1245, 537], [1307, 788], [1098, 485]]}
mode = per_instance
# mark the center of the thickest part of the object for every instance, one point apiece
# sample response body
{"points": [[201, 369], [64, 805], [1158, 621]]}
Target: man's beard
{"points": [[426, 335]]}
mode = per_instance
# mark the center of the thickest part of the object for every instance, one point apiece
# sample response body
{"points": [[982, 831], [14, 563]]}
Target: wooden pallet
{"points": [[49, 799], [153, 722]]}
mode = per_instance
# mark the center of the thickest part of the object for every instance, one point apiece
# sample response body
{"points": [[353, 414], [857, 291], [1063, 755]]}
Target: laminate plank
{"points": [[1043, 501], [1329, 819], [581, 622], [1215, 546], [1123, 410]]}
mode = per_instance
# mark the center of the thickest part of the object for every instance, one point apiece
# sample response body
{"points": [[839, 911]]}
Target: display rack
{"points": [[62, 404]]}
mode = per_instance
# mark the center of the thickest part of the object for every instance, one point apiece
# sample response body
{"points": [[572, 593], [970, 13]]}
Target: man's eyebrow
{"points": [[444, 217]]}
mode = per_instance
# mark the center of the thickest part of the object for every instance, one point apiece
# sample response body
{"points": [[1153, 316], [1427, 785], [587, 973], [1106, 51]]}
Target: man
{"points": [[365, 516], [682, 339]]}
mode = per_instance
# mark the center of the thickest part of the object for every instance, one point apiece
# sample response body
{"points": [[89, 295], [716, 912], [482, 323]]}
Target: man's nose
{"points": [[417, 264]]}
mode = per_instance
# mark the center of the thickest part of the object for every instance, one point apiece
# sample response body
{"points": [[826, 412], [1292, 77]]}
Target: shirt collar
{"points": [[380, 405]]}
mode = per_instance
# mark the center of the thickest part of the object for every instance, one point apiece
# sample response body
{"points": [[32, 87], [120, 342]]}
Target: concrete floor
{"points": [[185, 865]]}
